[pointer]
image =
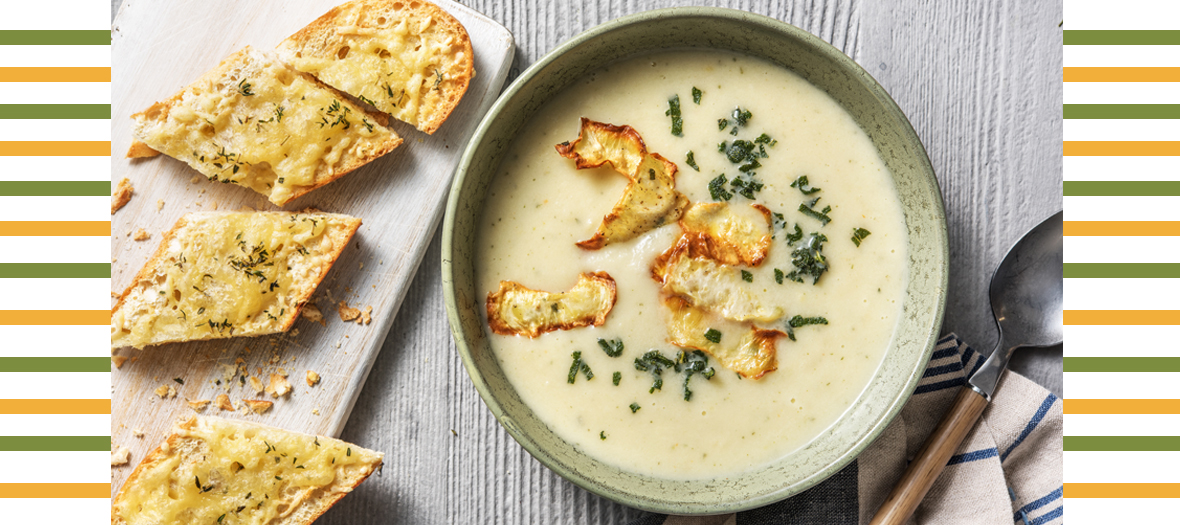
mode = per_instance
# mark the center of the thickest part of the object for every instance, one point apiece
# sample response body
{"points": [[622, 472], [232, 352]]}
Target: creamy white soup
{"points": [[540, 205]]}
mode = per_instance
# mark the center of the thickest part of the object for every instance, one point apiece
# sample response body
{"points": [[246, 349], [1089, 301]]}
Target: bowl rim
{"points": [[830, 53]]}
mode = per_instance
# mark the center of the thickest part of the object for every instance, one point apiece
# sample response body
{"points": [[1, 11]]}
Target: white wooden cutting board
{"points": [[158, 47]]}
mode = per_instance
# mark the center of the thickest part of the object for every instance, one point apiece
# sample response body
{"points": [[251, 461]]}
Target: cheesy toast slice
{"points": [[745, 349], [687, 270], [255, 122], [227, 274], [409, 59], [213, 470], [517, 310]]}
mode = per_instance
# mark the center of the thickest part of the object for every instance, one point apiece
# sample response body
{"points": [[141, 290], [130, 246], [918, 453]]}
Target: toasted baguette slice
{"points": [[409, 59], [255, 122], [226, 274], [213, 470]]}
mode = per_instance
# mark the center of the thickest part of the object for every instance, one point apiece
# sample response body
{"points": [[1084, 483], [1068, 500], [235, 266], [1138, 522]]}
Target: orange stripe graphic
{"points": [[1125, 148], [1121, 406], [1122, 490], [55, 317], [55, 490], [1121, 317], [1121, 74], [55, 228], [55, 406], [56, 74], [63, 148], [1120, 228]]}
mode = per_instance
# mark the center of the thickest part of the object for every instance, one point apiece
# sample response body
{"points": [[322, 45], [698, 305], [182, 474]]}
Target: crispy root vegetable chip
{"points": [[650, 200], [686, 269], [751, 354], [516, 310], [731, 238]]}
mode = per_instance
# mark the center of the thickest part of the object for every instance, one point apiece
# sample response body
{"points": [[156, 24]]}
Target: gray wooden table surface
{"points": [[979, 80]]}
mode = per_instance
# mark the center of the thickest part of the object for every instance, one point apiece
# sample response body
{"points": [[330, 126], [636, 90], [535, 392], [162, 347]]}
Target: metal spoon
{"points": [[1026, 296]]}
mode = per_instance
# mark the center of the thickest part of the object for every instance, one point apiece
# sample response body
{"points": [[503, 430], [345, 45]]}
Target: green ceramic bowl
{"points": [[828, 69]]}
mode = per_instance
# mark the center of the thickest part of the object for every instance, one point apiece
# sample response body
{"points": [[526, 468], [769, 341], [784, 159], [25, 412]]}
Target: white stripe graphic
{"points": [[1121, 56], [1110, 341], [55, 385], [1122, 294], [56, 92], [1121, 92], [1126, 14], [62, 14], [1121, 467], [55, 168], [55, 294], [77, 511], [1122, 424], [1121, 208], [1122, 385], [1121, 168], [1122, 249], [1120, 510], [56, 56], [56, 129], [56, 250], [55, 208], [1121, 129], [56, 424], [55, 467], [67, 341]]}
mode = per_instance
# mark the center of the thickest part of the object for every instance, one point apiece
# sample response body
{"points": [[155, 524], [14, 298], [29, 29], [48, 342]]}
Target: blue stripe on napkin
{"points": [[1032, 424], [973, 456]]}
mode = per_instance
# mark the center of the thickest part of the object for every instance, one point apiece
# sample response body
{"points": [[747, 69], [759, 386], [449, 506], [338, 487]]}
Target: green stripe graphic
{"points": [[55, 111], [1122, 364], [55, 443], [1122, 443], [55, 188], [1120, 37], [1108, 188], [55, 37], [55, 364], [1124, 111], [1121, 270], [55, 270]]}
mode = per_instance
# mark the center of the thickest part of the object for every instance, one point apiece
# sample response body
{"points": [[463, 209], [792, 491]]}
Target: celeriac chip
{"points": [[729, 237], [650, 200], [517, 310], [686, 269], [752, 354]]}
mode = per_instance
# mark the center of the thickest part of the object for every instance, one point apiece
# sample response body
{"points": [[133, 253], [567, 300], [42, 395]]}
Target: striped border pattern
{"points": [[55, 367], [1121, 193]]}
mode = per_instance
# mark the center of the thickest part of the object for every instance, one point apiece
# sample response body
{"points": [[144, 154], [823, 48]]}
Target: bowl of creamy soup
{"points": [[695, 260]]}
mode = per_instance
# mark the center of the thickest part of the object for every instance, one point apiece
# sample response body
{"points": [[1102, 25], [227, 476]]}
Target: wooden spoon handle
{"points": [[925, 468]]}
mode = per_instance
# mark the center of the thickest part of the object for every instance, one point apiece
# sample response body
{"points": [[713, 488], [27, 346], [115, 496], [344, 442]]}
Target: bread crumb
{"points": [[137, 432], [366, 315], [159, 204], [347, 313], [256, 384], [222, 401], [120, 457], [122, 195], [198, 405], [362, 266], [312, 378], [316, 411], [142, 235], [279, 386], [312, 313], [165, 391], [258, 406], [215, 205], [195, 179], [118, 360]]}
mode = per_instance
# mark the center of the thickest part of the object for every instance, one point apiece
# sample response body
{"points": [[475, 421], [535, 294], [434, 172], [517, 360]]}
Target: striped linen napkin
{"points": [[1008, 470]]}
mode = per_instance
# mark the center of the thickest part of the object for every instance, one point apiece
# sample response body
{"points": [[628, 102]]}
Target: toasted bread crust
{"points": [[564, 317], [345, 26], [139, 150]]}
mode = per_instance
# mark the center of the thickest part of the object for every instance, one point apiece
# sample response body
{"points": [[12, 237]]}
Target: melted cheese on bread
{"points": [[225, 274], [212, 470], [255, 122]]}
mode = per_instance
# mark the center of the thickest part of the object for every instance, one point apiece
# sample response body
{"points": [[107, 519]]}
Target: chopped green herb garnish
{"points": [[778, 276], [746, 185], [635, 407], [613, 348], [859, 234], [221, 517], [722, 124], [178, 380], [741, 151], [695, 362], [696, 95], [804, 186], [747, 276], [713, 335], [794, 237], [602, 435], [674, 112], [799, 320], [822, 215], [717, 189], [741, 116], [348, 452], [618, 376], [576, 366], [765, 139], [809, 259], [244, 88], [691, 161]]}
